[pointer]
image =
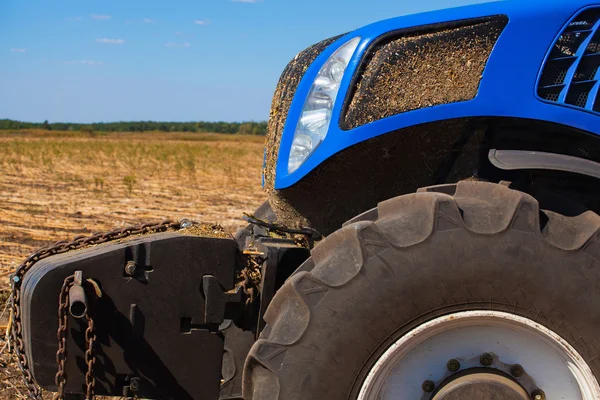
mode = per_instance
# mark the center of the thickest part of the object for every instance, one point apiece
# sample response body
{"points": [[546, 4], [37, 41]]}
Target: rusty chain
{"points": [[61, 334], [16, 329], [61, 354], [90, 359]]}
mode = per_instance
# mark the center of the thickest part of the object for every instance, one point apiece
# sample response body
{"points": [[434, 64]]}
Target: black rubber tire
{"points": [[416, 257], [237, 345]]}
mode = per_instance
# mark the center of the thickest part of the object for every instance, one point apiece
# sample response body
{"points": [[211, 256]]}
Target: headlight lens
{"points": [[318, 107]]}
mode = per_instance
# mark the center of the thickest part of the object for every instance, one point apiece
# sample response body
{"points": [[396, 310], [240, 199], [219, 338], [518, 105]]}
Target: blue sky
{"points": [[179, 60]]}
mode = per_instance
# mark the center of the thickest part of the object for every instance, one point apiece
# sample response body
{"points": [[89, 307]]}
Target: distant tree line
{"points": [[245, 128]]}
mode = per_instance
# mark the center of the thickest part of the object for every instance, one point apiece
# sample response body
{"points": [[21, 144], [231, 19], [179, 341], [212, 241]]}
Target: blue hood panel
{"points": [[509, 86]]}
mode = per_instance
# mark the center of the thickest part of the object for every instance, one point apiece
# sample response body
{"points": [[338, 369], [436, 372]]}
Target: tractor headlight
{"points": [[318, 107]]}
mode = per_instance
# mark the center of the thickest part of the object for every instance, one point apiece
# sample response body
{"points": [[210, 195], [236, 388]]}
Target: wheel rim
{"points": [[488, 352]]}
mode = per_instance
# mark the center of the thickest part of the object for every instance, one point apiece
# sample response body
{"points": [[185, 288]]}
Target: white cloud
{"points": [[202, 22], [86, 62], [74, 19], [173, 44], [110, 41], [101, 17], [18, 50], [148, 20]]}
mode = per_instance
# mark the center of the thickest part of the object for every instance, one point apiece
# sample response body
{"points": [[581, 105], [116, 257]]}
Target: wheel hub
{"points": [[481, 386], [480, 355]]}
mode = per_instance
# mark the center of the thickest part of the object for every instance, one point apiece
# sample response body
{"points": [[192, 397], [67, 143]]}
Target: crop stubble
{"points": [[57, 185]]}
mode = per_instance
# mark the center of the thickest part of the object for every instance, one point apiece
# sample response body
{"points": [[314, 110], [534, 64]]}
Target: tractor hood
{"points": [[485, 60]]}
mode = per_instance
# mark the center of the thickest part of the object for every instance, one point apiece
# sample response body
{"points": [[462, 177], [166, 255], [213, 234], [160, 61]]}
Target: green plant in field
{"points": [[98, 183], [129, 181], [48, 162], [230, 173], [190, 166]]}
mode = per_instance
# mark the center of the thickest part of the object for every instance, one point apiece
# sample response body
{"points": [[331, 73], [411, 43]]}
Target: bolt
{"points": [[428, 386], [134, 384], [517, 370], [453, 365], [538, 394], [130, 268], [486, 359]]}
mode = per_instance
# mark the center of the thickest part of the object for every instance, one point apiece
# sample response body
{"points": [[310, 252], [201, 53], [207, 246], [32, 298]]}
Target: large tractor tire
{"points": [[476, 291]]}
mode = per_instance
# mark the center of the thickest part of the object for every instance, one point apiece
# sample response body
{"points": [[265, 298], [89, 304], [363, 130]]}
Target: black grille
{"points": [[579, 93], [556, 72], [594, 46], [587, 69], [568, 43], [551, 93], [585, 20], [570, 75]]}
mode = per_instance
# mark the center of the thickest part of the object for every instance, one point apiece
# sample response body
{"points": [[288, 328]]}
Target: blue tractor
{"points": [[431, 232]]}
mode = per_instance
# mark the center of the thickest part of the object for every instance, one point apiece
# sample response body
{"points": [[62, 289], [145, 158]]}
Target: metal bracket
{"points": [[281, 258], [521, 159], [217, 299], [77, 299]]}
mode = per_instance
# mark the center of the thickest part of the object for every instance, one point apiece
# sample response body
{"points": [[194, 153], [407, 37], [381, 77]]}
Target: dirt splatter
{"points": [[423, 70], [282, 101], [206, 229]]}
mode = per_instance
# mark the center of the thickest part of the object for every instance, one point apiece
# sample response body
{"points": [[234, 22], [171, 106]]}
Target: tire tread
{"points": [[403, 222]]}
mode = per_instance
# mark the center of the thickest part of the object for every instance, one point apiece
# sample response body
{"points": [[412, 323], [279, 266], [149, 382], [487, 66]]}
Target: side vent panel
{"points": [[421, 67], [570, 75]]}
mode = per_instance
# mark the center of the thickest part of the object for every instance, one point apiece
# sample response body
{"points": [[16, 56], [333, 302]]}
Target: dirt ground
{"points": [[57, 185]]}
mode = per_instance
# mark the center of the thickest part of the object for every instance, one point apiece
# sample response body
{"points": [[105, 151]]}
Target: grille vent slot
{"points": [[571, 73]]}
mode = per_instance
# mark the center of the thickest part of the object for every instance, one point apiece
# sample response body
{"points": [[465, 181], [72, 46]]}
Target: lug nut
{"points": [[538, 394], [453, 365], [486, 359], [517, 370], [428, 386], [130, 268]]}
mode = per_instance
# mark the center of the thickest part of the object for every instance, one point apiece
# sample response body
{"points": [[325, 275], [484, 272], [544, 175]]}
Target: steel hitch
{"points": [[156, 323], [77, 299]]}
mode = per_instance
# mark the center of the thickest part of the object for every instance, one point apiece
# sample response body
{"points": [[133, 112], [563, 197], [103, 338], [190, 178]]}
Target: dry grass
{"points": [[57, 185]]}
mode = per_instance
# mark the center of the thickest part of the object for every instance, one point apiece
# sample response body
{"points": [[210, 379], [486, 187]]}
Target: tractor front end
{"points": [[431, 232], [419, 98]]}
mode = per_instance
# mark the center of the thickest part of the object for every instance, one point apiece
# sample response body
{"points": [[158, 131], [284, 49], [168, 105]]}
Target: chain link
{"points": [[61, 354], [90, 359], [60, 379], [16, 332]]}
